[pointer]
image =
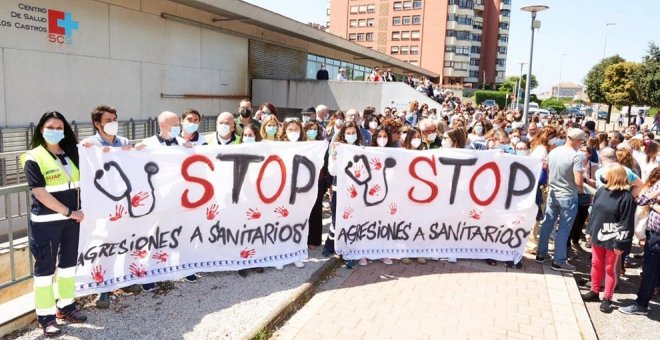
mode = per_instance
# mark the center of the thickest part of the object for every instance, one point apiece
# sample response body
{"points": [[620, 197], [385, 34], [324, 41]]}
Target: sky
{"points": [[572, 27]]}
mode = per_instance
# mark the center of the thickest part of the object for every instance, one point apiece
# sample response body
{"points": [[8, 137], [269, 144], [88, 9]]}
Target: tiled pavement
{"points": [[441, 300]]}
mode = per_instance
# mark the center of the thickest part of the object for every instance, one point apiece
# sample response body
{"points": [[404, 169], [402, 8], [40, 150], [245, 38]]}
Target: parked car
{"points": [[541, 112], [575, 112], [489, 103], [602, 115]]}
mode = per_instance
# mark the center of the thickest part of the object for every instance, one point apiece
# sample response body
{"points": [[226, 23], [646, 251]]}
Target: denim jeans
{"points": [[650, 269], [564, 209]]}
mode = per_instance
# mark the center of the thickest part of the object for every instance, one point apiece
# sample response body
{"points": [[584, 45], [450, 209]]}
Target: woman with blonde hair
{"points": [[269, 127], [611, 227]]}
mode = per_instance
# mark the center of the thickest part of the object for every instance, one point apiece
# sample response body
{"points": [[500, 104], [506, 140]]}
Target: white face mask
{"points": [[403, 136], [305, 119], [223, 129], [416, 142], [111, 128], [248, 139], [552, 141], [292, 136], [446, 143], [514, 140], [381, 141], [351, 139], [432, 136], [373, 125], [339, 122]]}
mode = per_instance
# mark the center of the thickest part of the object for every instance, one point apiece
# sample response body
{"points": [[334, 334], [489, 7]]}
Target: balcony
{"points": [[499, 80], [473, 67], [502, 43], [505, 18], [455, 25], [451, 72], [456, 57], [500, 67], [478, 5], [471, 80], [504, 5], [455, 9], [477, 27]]}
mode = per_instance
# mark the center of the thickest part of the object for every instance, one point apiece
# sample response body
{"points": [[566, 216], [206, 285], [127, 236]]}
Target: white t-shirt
{"points": [[539, 152]]}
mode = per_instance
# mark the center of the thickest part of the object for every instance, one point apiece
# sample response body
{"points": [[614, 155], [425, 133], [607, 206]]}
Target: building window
{"points": [[500, 74], [398, 6], [405, 35], [416, 19], [370, 22], [360, 37], [396, 35], [371, 8], [474, 74], [457, 65], [461, 19], [404, 50], [462, 35], [415, 35], [474, 61], [354, 9], [352, 37], [462, 50], [417, 4], [414, 62], [363, 9], [407, 5], [506, 13], [369, 37], [503, 37], [476, 37], [352, 23], [475, 49], [414, 49], [504, 25], [506, 2], [396, 21], [394, 50], [501, 50], [469, 4], [362, 23], [406, 20], [501, 62], [477, 25]]}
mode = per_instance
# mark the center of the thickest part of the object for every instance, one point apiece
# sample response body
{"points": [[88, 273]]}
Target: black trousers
{"points": [[315, 236], [650, 269], [578, 224], [54, 244]]}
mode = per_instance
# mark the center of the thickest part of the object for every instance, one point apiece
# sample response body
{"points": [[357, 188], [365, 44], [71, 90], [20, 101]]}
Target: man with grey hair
{"points": [[430, 137], [565, 180], [353, 115], [322, 114], [608, 157], [169, 128], [225, 131]]}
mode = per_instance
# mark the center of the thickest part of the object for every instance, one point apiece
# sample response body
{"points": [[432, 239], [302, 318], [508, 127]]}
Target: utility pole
{"points": [[518, 87], [561, 67]]}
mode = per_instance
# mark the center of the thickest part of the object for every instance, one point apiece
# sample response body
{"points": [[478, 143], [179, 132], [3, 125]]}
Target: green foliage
{"points": [[647, 77], [535, 99], [557, 105], [499, 97], [594, 79], [619, 84], [510, 83], [654, 111]]}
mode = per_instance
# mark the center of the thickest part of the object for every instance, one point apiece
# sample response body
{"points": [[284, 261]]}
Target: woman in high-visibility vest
{"points": [[51, 169]]}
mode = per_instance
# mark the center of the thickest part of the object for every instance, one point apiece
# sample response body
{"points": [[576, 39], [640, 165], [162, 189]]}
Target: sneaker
{"points": [[421, 260], [406, 260], [591, 296], [259, 270], [587, 244], [542, 258], [51, 329], [451, 260], [103, 302], [299, 264], [350, 264], [132, 289], [491, 262], [279, 267], [363, 262], [387, 261], [149, 287], [326, 253], [562, 267], [606, 306], [242, 272], [74, 316], [634, 309], [191, 278]]}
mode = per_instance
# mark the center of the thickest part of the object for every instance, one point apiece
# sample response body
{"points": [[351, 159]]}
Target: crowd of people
{"points": [[598, 189]]}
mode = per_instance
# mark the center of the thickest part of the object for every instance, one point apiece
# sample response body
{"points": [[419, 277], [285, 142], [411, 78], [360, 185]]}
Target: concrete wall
{"points": [[124, 54], [337, 95]]}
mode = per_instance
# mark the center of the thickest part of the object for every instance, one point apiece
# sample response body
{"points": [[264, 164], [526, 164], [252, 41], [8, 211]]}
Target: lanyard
{"points": [[68, 176]]}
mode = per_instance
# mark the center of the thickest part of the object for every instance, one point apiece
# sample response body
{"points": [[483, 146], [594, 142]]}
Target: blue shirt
{"points": [[632, 177], [98, 140]]}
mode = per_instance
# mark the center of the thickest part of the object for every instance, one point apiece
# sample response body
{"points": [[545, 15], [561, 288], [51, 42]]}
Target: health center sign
{"points": [[56, 25]]}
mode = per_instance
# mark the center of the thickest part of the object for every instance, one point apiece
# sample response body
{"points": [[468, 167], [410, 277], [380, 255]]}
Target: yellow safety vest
{"points": [[212, 139]]}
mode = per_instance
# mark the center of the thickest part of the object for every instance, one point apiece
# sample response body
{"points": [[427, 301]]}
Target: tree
{"points": [[509, 84], [594, 82], [647, 77], [619, 85]]}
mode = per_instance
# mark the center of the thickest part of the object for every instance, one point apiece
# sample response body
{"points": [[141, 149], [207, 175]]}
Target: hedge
{"points": [[499, 97]]}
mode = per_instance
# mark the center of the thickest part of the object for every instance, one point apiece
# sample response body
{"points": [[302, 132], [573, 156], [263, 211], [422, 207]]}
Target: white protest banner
{"points": [[165, 213], [437, 203]]}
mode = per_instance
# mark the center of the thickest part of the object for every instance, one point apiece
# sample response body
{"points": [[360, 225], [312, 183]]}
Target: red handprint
{"points": [[475, 214], [357, 170], [247, 253], [519, 220], [253, 214], [139, 253], [97, 274], [212, 212], [160, 257], [138, 270], [348, 213], [119, 212], [282, 211], [137, 199], [375, 162], [352, 191], [393, 208], [375, 190]]}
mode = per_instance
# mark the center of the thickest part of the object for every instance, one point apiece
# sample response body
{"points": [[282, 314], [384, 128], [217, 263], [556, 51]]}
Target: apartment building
{"points": [[465, 41]]}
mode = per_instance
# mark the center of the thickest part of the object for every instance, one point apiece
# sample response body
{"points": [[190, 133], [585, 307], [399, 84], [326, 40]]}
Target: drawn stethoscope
{"points": [[150, 168], [389, 163]]}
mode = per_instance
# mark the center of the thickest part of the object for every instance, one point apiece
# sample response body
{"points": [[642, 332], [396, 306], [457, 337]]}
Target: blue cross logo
{"points": [[68, 24]]}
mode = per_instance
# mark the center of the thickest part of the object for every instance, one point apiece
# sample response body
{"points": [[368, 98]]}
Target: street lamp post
{"points": [[607, 25], [535, 24], [518, 85], [561, 67]]}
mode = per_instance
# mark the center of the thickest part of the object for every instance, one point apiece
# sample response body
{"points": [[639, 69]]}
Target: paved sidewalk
{"points": [[468, 299]]}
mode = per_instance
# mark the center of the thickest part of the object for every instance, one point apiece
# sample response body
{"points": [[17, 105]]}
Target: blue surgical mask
{"points": [[190, 127], [479, 129], [350, 139], [175, 131], [248, 139], [508, 129], [521, 152], [271, 130], [311, 134], [560, 142], [53, 136]]}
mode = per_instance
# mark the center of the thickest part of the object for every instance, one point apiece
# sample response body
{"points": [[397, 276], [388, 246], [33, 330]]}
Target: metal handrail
{"points": [[9, 218]]}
